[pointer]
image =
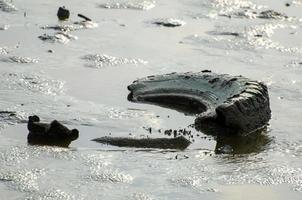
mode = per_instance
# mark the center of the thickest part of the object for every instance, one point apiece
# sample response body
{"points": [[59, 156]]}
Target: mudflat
{"points": [[77, 72]]}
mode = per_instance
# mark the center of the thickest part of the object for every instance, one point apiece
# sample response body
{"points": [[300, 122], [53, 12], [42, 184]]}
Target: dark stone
{"points": [[54, 133], [63, 13], [225, 104], [160, 143]]}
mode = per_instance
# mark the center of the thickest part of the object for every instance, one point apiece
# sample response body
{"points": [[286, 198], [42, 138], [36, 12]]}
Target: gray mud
{"points": [[94, 99]]}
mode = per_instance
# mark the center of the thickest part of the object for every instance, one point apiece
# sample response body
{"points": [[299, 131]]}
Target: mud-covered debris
{"points": [[53, 134], [271, 14], [63, 13], [84, 17], [160, 143], [170, 22], [19, 59]]}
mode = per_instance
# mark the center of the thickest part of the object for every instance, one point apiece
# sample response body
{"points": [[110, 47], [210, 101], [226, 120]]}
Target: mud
{"points": [[52, 134], [160, 143], [169, 22]]}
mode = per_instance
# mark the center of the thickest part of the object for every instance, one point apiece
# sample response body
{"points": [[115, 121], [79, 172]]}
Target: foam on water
{"points": [[125, 4], [100, 61], [141, 196], [72, 27], [252, 37], [297, 2], [22, 180], [3, 50], [53, 194], [19, 59], [231, 7], [60, 37], [109, 176]]}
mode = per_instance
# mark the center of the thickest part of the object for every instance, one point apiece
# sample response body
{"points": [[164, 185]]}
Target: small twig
{"points": [[84, 17]]}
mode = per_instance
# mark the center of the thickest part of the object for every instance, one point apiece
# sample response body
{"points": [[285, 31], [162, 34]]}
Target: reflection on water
{"points": [[252, 143], [43, 141], [228, 142]]}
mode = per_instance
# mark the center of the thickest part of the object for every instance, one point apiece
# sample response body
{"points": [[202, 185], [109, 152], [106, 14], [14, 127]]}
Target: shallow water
{"points": [[83, 83]]}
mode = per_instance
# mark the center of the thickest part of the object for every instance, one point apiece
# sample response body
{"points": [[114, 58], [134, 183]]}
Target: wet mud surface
{"points": [[257, 39]]}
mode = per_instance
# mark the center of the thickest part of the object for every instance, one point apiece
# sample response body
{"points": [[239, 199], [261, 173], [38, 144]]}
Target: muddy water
{"points": [[81, 79]]}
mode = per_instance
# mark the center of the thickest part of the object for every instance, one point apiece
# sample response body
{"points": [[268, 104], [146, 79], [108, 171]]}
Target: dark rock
{"points": [[228, 105], [160, 143], [63, 13], [54, 133]]}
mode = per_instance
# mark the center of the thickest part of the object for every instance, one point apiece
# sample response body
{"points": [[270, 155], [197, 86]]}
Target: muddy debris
{"points": [[271, 14], [51, 134], [84, 17], [170, 22], [250, 14], [225, 33], [63, 13], [180, 143], [60, 37]]}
